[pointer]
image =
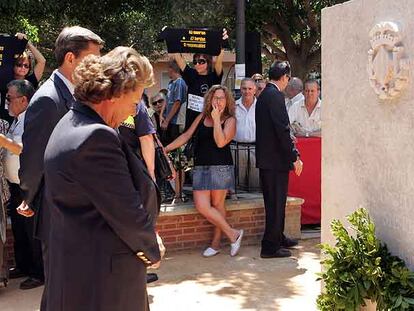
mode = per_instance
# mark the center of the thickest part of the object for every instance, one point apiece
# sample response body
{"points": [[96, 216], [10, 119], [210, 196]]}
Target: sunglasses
{"points": [[23, 65], [156, 102], [9, 98], [199, 61]]}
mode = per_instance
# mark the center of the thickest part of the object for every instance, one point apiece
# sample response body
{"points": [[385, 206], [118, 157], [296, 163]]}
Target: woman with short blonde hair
{"points": [[102, 201]]}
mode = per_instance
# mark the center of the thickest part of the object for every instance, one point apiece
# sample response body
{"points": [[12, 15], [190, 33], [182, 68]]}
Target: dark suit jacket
{"points": [[46, 108], [98, 220], [274, 146]]}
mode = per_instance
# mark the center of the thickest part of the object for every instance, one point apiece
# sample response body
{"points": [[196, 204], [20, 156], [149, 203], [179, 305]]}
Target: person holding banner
{"points": [[199, 79], [16, 64], [24, 64]]}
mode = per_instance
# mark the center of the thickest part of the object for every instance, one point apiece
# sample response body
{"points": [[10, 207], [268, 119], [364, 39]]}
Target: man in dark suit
{"points": [[275, 156], [53, 99]]}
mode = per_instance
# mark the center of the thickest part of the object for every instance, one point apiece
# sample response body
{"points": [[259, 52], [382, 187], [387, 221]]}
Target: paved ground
{"points": [[191, 282]]}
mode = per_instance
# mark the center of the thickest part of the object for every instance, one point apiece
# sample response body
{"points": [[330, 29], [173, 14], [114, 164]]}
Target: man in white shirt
{"points": [[305, 115], [246, 133], [294, 92], [245, 112], [27, 249]]}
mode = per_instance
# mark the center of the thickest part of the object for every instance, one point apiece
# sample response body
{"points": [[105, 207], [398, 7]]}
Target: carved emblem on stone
{"points": [[387, 68]]}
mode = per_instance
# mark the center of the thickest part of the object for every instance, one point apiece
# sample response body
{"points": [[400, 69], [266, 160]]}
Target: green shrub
{"points": [[361, 267]]}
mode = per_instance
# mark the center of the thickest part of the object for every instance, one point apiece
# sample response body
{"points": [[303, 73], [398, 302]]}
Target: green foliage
{"points": [[360, 267], [133, 23], [30, 30], [291, 30]]}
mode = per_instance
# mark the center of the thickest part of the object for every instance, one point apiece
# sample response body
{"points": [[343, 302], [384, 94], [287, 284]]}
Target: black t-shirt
{"points": [[206, 150], [198, 86], [135, 127], [33, 80]]}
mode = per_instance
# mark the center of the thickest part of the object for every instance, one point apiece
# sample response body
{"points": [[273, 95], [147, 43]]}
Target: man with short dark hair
{"points": [[276, 155], [53, 100]]}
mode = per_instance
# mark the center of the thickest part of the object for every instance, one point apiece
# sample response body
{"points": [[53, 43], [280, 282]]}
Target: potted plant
{"points": [[360, 268]]}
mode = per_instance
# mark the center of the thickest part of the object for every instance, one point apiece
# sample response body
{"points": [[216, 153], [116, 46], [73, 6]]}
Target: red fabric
{"points": [[308, 185]]}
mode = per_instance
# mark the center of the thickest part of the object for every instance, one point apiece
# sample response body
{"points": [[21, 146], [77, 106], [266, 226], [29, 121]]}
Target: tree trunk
{"points": [[299, 66]]}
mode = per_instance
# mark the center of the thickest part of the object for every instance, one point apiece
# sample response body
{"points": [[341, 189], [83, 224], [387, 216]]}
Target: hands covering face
{"points": [[216, 112]]}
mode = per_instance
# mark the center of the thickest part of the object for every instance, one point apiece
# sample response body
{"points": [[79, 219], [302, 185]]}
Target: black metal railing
{"points": [[245, 171]]}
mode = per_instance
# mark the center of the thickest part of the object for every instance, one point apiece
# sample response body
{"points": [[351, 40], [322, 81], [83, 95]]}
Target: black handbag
{"points": [[189, 149], [162, 165]]}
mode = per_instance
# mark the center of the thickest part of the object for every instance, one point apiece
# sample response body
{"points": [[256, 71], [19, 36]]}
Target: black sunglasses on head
{"points": [[199, 61]]}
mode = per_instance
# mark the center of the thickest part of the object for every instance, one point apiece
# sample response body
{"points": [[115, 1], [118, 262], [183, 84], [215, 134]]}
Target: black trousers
{"points": [[274, 186], [27, 249]]}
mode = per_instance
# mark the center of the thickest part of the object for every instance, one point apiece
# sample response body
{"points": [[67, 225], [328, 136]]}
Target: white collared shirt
{"points": [[12, 162], [246, 122], [68, 84], [298, 115], [290, 101]]}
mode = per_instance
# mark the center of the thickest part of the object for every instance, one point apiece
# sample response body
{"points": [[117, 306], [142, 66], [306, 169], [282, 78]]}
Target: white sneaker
{"points": [[235, 247], [210, 252]]}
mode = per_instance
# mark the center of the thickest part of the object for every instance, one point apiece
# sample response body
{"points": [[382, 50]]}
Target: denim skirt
{"points": [[213, 177]]}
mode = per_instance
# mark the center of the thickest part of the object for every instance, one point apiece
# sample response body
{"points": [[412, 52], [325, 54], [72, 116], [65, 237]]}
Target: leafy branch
{"points": [[361, 267]]}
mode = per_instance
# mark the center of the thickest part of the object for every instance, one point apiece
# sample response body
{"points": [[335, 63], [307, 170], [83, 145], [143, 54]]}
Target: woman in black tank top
{"points": [[213, 173]]}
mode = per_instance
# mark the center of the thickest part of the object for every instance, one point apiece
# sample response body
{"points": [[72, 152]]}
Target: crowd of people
{"points": [[79, 175]]}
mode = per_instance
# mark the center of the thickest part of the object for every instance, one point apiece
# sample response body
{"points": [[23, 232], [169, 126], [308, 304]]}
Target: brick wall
{"points": [[183, 228], [9, 252], [187, 229]]}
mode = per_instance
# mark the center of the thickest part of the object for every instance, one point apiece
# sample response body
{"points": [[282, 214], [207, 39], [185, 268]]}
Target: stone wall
{"points": [[368, 145]]}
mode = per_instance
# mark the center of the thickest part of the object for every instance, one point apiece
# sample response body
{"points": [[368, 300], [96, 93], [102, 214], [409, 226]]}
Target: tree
{"points": [[291, 30], [132, 23]]}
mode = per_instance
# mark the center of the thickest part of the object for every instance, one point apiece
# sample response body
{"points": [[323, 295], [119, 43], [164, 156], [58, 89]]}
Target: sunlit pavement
{"points": [[187, 281], [246, 282]]}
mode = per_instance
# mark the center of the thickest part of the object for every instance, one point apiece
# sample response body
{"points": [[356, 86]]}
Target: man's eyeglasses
{"points": [[199, 61], [9, 98], [258, 80], [23, 65], [156, 102]]}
